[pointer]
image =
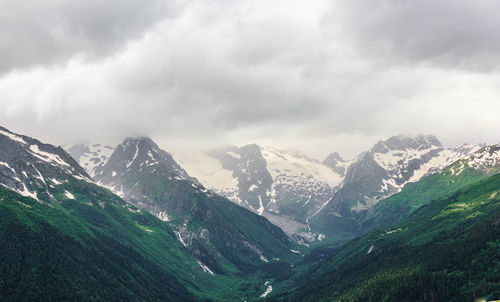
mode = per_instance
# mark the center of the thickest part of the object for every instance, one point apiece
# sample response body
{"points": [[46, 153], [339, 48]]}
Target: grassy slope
{"points": [[227, 223], [393, 209], [97, 247], [50, 255], [446, 250], [415, 195]]}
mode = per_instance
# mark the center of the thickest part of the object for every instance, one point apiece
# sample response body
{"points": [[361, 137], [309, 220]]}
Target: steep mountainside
{"points": [[69, 251], [477, 166], [67, 238], [221, 235], [34, 169], [447, 250], [286, 187], [381, 172]]}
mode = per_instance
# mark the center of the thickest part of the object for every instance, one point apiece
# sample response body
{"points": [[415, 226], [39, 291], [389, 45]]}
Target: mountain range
{"points": [[219, 233], [134, 222], [304, 196]]}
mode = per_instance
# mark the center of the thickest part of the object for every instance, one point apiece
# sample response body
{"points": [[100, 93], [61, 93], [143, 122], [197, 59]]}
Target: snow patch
{"points": [[268, 290], [233, 155], [25, 192], [47, 157], [205, 268], [297, 167], [179, 237], [210, 173], [55, 181], [69, 195], [261, 206], [163, 216], [135, 155], [96, 156], [252, 188], [12, 136], [370, 249], [7, 165]]}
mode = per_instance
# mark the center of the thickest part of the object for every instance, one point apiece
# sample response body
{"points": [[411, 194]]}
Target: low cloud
{"points": [[288, 73]]}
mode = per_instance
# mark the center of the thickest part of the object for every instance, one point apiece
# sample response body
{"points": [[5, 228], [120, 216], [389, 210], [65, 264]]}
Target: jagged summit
{"points": [[333, 157], [384, 170], [405, 142], [138, 155], [335, 162]]}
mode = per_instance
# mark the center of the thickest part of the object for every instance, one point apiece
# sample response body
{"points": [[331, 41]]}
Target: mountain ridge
{"points": [[149, 178]]}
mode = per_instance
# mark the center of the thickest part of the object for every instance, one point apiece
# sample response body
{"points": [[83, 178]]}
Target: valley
{"points": [[263, 224]]}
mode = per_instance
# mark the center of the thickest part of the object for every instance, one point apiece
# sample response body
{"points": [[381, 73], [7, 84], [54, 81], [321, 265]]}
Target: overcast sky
{"points": [[318, 76]]}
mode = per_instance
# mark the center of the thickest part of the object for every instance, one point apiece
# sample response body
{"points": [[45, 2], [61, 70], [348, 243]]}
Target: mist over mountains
{"points": [[234, 215], [185, 150], [288, 187]]}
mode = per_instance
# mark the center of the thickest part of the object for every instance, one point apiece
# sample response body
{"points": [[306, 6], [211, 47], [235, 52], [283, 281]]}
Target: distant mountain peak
{"points": [[143, 140], [405, 142], [334, 156], [335, 162], [91, 156]]}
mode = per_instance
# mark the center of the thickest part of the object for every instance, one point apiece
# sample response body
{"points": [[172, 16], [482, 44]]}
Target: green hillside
{"points": [[49, 255], [448, 250], [96, 247]]}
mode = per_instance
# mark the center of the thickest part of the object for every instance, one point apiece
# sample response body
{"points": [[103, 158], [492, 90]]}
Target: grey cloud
{"points": [[34, 33], [446, 33], [251, 71]]}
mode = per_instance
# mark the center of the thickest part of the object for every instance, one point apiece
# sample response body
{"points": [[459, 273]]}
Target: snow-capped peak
{"points": [[296, 166], [91, 156]]}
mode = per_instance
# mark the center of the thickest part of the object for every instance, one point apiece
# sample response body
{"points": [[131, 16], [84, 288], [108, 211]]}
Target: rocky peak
{"points": [[403, 142], [139, 154], [335, 162]]}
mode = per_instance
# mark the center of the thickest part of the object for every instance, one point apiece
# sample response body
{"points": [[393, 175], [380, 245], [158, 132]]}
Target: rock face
{"points": [[216, 231], [287, 187], [382, 171], [137, 159], [248, 167], [335, 162], [34, 169]]}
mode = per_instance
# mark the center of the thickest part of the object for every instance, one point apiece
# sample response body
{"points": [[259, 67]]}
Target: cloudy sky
{"points": [[318, 76]]}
